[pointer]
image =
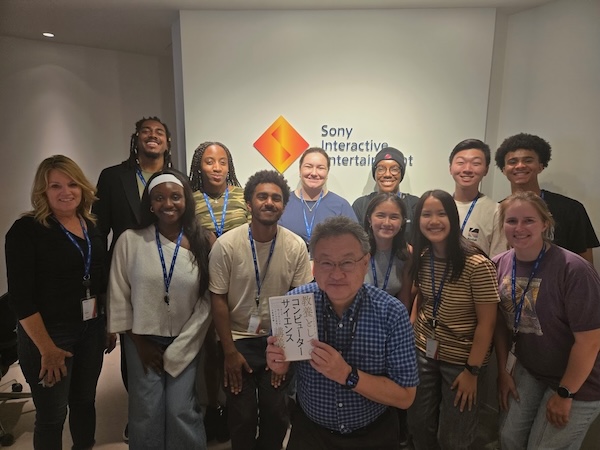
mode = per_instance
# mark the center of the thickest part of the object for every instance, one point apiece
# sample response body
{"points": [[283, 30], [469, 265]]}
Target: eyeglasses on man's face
{"points": [[394, 170], [347, 265]]}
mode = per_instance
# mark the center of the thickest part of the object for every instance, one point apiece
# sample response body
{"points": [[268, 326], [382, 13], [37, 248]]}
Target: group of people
{"points": [[408, 302]]}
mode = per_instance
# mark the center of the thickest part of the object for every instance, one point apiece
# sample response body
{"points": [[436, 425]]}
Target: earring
{"points": [[151, 209]]}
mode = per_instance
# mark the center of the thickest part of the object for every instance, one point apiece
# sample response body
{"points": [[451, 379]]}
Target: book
{"points": [[294, 323]]}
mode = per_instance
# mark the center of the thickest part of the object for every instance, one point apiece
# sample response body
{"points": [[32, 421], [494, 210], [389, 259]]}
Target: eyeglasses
{"points": [[348, 265], [395, 170]]}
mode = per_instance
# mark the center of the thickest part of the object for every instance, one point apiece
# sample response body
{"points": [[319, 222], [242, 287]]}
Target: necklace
{"points": [[315, 203], [215, 199]]}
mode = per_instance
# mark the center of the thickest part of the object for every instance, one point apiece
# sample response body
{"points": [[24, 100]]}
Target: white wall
{"points": [[551, 87], [416, 79], [76, 101]]}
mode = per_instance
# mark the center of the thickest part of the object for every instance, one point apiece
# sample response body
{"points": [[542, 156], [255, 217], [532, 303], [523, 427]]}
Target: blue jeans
{"points": [[524, 426], [259, 404], [433, 420], [163, 412], [77, 390]]}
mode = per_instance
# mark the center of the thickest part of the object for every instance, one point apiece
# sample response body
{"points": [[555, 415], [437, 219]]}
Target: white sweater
{"points": [[136, 293]]}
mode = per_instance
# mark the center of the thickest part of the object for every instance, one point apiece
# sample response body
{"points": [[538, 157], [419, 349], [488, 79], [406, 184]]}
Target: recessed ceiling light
{"points": [[48, 35]]}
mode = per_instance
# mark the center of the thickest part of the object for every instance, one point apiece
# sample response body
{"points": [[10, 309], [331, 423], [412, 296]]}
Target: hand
{"points": [[53, 366], [327, 361], [276, 379], [506, 387], [110, 342], [232, 376], [150, 353], [557, 410], [276, 357], [466, 390]]}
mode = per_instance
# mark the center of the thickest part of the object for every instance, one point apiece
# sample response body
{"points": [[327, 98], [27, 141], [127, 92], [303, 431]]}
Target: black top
{"points": [[45, 270], [118, 204], [573, 230]]}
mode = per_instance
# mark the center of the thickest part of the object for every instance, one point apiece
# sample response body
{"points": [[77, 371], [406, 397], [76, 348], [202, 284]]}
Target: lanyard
{"points": [[167, 278], [353, 320], [87, 259], [469, 213], [309, 228], [518, 308], [254, 257], [387, 274], [140, 176], [218, 229], [437, 298]]}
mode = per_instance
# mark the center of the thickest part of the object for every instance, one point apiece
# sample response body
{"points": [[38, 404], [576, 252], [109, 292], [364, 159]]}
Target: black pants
{"points": [[382, 434]]}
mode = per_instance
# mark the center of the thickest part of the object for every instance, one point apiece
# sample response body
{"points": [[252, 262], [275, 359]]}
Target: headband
{"points": [[164, 178]]}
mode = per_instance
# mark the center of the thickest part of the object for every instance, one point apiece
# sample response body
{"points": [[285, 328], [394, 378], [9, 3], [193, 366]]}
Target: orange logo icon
{"points": [[281, 144]]}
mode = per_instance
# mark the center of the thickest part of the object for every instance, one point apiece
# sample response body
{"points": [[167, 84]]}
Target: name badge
{"points": [[510, 362], [432, 348], [89, 308], [254, 324]]}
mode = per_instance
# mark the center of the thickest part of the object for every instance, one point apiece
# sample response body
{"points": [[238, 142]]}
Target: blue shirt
{"points": [[383, 345]]}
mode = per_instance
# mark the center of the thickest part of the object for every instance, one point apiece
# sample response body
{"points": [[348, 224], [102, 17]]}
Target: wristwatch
{"points": [[563, 392], [473, 370], [352, 379]]}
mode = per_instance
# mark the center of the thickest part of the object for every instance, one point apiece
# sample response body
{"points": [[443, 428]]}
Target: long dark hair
{"points": [[196, 234], [399, 244], [457, 247], [196, 167]]}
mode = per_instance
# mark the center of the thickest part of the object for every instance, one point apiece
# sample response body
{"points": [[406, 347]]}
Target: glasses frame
{"points": [[331, 266]]}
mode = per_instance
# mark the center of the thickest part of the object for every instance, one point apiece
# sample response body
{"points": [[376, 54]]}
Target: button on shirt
{"points": [[383, 345]]}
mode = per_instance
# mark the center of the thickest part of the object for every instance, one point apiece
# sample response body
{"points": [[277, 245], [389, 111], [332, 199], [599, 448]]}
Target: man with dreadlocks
{"points": [[120, 188], [220, 204]]}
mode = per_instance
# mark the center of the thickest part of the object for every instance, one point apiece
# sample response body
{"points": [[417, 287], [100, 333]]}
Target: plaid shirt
{"points": [[383, 344]]}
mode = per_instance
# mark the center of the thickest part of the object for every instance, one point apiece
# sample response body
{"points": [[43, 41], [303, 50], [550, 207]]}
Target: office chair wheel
{"points": [[17, 387], [7, 440]]}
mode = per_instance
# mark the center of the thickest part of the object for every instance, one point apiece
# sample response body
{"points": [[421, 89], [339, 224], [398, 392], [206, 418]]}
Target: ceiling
{"points": [[144, 26]]}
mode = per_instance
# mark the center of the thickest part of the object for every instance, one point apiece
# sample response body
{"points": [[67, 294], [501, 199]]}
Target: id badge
{"points": [[254, 324], [89, 309], [510, 362], [432, 348]]}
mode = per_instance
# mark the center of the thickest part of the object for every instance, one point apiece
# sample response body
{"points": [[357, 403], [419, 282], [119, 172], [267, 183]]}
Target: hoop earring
{"points": [[151, 209]]}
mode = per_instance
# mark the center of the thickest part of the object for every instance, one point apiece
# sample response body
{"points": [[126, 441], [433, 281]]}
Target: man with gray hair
{"points": [[364, 361]]}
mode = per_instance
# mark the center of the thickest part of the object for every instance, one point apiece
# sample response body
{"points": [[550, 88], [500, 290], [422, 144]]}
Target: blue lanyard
{"points": [[258, 281], [387, 274], [309, 228], [437, 298], [140, 176], [518, 308], [462, 228], [167, 278], [218, 229], [87, 259]]}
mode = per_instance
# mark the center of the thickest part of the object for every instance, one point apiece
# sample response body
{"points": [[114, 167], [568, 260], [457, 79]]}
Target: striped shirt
{"points": [[383, 345], [237, 213], [456, 315]]}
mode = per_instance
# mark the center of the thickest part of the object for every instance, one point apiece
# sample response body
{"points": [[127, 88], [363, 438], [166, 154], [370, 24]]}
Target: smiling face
{"points": [[167, 201], [344, 251], [388, 175], [386, 221], [266, 204], [524, 226], [468, 168], [63, 194], [214, 168], [522, 167], [434, 223], [313, 171], [152, 140]]}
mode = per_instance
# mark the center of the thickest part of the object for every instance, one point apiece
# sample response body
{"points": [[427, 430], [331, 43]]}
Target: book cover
{"points": [[294, 323]]}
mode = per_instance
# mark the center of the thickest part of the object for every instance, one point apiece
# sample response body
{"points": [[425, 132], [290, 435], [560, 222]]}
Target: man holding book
{"points": [[364, 360]]}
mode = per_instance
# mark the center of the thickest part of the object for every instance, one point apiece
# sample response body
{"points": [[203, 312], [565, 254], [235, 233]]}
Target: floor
{"points": [[18, 415]]}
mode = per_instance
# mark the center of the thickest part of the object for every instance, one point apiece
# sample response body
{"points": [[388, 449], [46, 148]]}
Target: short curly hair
{"points": [[526, 142], [266, 176]]}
